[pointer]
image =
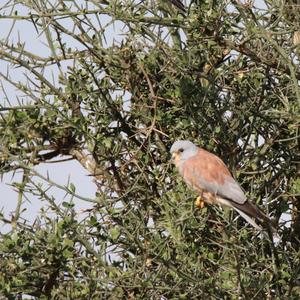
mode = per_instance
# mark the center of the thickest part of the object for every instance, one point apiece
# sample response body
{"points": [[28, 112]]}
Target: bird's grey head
{"points": [[182, 150]]}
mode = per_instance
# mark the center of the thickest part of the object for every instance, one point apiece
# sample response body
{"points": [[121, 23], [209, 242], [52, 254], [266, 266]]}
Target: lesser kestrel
{"points": [[207, 174]]}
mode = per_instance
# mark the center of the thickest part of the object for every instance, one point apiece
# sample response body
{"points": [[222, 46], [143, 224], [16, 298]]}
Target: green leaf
{"points": [[114, 233], [68, 204]]}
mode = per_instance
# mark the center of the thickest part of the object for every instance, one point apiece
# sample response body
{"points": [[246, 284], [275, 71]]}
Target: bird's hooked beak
{"points": [[174, 157]]}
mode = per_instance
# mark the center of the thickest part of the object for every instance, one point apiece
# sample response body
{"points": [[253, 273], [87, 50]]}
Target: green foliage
{"points": [[224, 76]]}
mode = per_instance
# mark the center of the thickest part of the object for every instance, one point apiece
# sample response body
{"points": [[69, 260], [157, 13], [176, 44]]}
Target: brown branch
{"points": [[89, 163], [270, 62]]}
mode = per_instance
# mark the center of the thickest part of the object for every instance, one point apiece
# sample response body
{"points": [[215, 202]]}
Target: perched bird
{"points": [[207, 174]]}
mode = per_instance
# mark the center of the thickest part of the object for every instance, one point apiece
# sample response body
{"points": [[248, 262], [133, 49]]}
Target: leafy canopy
{"points": [[224, 75]]}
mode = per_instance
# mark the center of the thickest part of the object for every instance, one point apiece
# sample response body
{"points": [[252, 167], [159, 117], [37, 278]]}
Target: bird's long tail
{"points": [[179, 4], [251, 210], [248, 219], [248, 211]]}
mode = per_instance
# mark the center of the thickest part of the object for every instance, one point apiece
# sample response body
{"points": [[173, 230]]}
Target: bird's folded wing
{"points": [[205, 171]]}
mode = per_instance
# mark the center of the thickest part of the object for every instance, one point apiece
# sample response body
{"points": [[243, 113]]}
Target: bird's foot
{"points": [[199, 202]]}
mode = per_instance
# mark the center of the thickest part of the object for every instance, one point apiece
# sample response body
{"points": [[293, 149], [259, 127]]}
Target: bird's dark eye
{"points": [[180, 150]]}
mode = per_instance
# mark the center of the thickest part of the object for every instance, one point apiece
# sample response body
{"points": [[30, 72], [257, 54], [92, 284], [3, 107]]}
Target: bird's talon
{"points": [[199, 202]]}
